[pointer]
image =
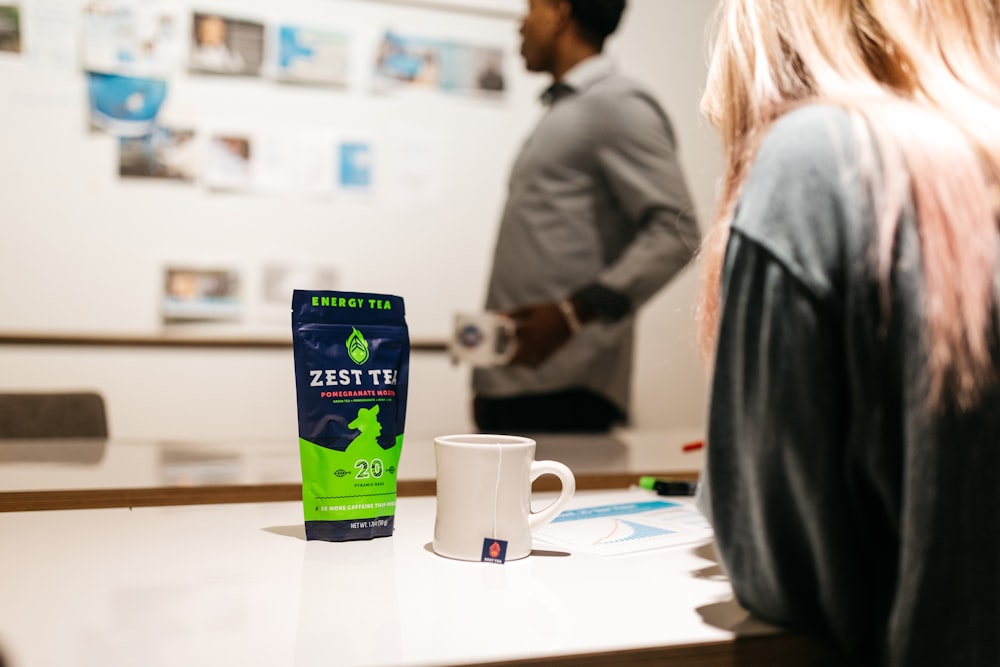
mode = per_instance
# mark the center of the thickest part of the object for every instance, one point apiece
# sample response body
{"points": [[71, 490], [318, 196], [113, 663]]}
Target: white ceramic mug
{"points": [[483, 339], [484, 495]]}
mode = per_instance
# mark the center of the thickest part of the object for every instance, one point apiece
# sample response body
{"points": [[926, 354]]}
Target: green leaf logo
{"points": [[357, 347]]}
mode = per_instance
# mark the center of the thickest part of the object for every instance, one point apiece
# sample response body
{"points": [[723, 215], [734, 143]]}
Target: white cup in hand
{"points": [[483, 339]]}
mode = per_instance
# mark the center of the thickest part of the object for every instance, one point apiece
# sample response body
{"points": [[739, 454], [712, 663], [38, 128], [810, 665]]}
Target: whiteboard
{"points": [[87, 249]]}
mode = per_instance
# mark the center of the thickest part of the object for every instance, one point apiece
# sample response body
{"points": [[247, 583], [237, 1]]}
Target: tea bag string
{"points": [[496, 491]]}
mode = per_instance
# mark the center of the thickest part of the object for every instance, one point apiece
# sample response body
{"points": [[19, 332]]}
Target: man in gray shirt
{"points": [[598, 219]]}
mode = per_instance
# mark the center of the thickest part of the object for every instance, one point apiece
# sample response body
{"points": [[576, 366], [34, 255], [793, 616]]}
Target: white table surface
{"points": [[238, 584]]}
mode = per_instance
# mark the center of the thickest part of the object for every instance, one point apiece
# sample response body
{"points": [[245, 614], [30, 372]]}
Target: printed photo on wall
{"points": [[201, 294], [132, 39], [228, 162], [293, 161], [416, 159], [418, 62], [312, 56], [413, 61], [356, 163], [224, 45], [10, 28], [165, 153], [124, 106], [475, 70], [314, 170], [280, 278]]}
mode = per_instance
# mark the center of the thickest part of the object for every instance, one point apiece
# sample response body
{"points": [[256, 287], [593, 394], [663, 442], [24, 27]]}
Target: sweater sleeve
{"points": [[638, 158]]}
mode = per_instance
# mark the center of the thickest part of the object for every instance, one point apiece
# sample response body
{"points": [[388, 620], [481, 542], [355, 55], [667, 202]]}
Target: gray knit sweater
{"points": [[841, 505]]}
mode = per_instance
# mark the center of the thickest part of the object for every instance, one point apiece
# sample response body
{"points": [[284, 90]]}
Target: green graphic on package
{"points": [[351, 352]]}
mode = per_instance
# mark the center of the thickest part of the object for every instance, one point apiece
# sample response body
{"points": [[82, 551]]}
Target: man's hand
{"points": [[541, 330]]}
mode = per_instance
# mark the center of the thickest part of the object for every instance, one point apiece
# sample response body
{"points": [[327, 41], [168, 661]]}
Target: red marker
{"points": [[693, 446]]}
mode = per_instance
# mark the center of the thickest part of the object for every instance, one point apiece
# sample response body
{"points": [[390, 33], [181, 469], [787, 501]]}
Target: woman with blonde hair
{"points": [[850, 316]]}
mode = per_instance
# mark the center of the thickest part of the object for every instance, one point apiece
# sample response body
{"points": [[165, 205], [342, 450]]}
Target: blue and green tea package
{"points": [[352, 357]]}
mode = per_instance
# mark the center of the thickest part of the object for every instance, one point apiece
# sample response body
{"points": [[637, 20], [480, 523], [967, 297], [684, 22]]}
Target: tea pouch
{"points": [[352, 355]]}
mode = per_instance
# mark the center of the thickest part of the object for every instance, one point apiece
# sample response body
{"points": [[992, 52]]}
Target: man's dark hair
{"points": [[597, 18]]}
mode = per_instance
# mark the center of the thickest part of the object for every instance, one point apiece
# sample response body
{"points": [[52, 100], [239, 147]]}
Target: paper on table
{"points": [[623, 522]]}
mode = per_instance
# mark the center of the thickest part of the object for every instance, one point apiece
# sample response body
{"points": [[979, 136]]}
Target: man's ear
{"points": [[564, 14]]}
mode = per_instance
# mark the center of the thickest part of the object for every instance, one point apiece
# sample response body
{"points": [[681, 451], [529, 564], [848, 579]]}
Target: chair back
{"points": [[53, 415]]}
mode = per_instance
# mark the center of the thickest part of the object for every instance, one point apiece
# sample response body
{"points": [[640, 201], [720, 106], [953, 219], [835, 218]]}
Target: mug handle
{"points": [[538, 468]]}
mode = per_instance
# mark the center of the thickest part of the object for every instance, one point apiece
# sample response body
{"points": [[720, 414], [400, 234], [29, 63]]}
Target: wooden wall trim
{"points": [[169, 341]]}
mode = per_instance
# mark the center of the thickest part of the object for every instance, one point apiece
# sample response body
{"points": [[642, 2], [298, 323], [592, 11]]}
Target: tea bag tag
{"points": [[494, 551]]}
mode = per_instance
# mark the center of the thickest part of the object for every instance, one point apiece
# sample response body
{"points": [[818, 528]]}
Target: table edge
{"points": [[61, 499]]}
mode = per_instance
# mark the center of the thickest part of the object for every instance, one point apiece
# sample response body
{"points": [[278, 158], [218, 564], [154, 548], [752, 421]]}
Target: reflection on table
{"points": [[56, 474]]}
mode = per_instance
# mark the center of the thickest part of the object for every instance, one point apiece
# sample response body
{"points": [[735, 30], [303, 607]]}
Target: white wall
{"points": [[214, 394], [217, 394], [664, 43]]}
